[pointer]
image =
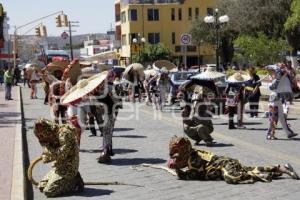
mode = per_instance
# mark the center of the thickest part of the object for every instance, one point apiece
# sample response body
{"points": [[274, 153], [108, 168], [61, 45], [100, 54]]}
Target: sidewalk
{"points": [[10, 119]]}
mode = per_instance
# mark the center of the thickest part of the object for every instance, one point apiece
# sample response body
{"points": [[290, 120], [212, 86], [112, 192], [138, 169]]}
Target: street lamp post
{"points": [[217, 23], [138, 41]]}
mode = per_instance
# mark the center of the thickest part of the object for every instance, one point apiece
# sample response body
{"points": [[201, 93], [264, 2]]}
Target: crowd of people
{"points": [[78, 97]]}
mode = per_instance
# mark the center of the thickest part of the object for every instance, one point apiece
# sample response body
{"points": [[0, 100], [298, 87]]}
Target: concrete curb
{"points": [[18, 179]]}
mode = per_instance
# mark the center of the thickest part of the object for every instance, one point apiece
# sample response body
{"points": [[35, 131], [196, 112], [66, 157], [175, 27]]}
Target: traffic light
{"points": [[44, 31], [66, 21], [38, 32], [58, 21]]}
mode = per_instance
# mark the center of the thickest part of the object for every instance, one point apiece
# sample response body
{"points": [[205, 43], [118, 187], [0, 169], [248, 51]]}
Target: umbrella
{"points": [[209, 74], [83, 88]]}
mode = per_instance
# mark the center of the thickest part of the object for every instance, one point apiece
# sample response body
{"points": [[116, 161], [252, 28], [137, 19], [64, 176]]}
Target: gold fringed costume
{"points": [[59, 146]]}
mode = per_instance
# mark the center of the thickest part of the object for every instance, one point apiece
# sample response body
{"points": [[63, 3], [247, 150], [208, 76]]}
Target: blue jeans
{"points": [[8, 87]]}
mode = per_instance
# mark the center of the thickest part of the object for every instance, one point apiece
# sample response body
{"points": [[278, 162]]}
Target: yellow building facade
{"points": [[162, 21]]}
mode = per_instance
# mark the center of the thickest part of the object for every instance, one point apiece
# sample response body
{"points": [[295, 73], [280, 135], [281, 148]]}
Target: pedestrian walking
{"points": [[252, 92], [282, 88], [8, 82]]}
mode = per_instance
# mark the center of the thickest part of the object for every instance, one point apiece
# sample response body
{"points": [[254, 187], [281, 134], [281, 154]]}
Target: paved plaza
{"points": [[142, 136]]}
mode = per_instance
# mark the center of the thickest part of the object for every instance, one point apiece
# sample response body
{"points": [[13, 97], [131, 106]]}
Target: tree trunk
{"points": [[294, 59]]}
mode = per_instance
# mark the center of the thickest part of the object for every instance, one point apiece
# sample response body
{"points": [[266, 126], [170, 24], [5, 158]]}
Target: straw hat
{"points": [[238, 78], [73, 71], [209, 74], [83, 88], [135, 68], [159, 64], [57, 65]]}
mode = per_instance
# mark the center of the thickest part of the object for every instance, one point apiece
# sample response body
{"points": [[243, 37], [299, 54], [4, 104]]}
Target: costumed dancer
{"points": [[273, 116], [281, 86], [134, 73], [58, 110], [111, 104], [197, 123], [204, 165], [235, 100], [69, 79], [163, 82], [34, 80], [59, 146], [98, 89]]}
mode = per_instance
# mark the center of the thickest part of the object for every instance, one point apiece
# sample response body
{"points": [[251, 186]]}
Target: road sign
{"points": [[64, 35], [186, 39]]}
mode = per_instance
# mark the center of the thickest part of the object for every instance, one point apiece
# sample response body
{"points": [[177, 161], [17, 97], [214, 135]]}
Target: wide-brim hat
{"points": [[88, 72], [209, 74], [238, 78], [159, 64], [57, 65], [137, 68], [73, 71], [83, 88]]}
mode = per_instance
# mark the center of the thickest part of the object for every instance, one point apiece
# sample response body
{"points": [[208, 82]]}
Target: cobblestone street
{"points": [[144, 139]]}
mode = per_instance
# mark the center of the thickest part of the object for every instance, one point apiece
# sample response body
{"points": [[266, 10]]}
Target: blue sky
{"points": [[95, 16]]}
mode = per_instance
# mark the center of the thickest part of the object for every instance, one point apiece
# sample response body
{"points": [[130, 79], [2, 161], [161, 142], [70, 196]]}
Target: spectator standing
{"points": [[8, 82], [253, 92]]}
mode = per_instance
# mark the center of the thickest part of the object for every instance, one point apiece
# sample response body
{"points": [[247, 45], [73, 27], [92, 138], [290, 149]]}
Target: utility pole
{"points": [[71, 43]]}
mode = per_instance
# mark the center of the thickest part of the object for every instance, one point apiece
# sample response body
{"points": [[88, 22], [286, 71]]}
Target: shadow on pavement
{"points": [[123, 129], [91, 192], [136, 161], [255, 129], [116, 151], [130, 136]]}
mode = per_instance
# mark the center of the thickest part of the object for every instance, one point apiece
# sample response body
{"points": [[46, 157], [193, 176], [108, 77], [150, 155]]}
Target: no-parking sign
{"points": [[185, 39], [64, 35]]}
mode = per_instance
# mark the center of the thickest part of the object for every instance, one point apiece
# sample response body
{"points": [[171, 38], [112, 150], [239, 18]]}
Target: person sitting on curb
{"points": [[204, 165]]}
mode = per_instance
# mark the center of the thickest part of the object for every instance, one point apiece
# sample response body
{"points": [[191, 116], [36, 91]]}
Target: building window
{"points": [[197, 13], [133, 35], [123, 17], [179, 14], [153, 38], [173, 38], [153, 14], [210, 12], [132, 15], [190, 14], [173, 14], [124, 40]]}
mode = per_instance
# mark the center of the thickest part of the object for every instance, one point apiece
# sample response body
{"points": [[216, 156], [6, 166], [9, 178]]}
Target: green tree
{"points": [[275, 18], [152, 52], [260, 50]]}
